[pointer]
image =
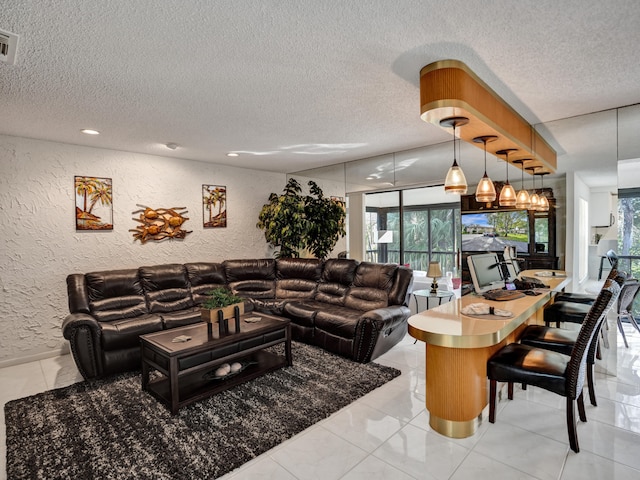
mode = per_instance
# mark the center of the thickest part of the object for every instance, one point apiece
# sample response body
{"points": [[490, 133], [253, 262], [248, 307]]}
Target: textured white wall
{"points": [[40, 246]]}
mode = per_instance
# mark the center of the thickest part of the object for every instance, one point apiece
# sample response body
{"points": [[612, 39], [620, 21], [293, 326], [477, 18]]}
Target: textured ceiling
{"points": [[298, 84]]}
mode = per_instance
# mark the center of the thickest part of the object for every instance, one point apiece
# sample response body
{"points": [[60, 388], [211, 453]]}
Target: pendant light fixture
{"points": [[534, 196], [507, 194], [455, 181], [486, 190], [522, 198], [543, 202]]}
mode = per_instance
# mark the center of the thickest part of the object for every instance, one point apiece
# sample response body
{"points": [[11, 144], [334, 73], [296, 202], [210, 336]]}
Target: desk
{"points": [[457, 350], [439, 295]]}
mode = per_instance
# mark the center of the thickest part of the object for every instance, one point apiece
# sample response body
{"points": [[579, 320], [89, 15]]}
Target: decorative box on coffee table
{"points": [[187, 368]]}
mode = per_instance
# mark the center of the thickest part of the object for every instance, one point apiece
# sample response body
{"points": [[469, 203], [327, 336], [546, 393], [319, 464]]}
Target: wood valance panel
{"points": [[449, 88]]}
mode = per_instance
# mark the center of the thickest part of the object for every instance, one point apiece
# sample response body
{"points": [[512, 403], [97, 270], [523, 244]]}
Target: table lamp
{"points": [[434, 272]]}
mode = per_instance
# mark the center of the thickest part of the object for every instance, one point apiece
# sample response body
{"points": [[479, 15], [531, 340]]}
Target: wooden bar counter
{"points": [[458, 347]]}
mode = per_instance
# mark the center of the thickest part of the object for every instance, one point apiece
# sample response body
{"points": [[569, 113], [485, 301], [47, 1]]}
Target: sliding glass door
{"points": [[404, 227], [629, 231]]}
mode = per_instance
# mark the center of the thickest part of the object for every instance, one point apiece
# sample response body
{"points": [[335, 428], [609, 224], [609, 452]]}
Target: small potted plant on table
{"points": [[221, 300]]}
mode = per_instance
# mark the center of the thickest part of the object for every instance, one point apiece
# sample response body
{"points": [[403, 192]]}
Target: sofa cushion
{"points": [[254, 288], [375, 275], [260, 269], [331, 293], [125, 333], [401, 289], [203, 278], [303, 313], [302, 268], [166, 288], [365, 299], [272, 306], [297, 277], [295, 288], [339, 270], [115, 294], [340, 321], [181, 317]]}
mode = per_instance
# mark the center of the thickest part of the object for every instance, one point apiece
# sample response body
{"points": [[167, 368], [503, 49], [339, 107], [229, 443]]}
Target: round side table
{"points": [[439, 295]]}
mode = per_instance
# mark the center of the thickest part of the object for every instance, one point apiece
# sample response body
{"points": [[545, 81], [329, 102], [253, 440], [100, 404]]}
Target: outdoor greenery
{"points": [[512, 225], [429, 234], [220, 297], [293, 221], [629, 232], [629, 237], [629, 212]]}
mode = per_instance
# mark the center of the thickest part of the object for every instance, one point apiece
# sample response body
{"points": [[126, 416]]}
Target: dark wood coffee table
{"points": [[187, 368]]}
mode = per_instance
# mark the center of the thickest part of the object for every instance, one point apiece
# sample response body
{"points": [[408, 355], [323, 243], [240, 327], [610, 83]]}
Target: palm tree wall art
{"points": [[94, 203], [214, 206]]}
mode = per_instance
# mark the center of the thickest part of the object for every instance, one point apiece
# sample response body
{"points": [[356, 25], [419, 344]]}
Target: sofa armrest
{"points": [[83, 332], [375, 326], [387, 317]]}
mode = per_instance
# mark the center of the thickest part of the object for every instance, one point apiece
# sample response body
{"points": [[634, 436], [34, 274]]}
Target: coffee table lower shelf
{"points": [[194, 386]]}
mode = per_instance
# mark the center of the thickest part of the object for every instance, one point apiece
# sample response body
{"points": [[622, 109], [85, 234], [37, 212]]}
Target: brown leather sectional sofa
{"points": [[354, 309]]}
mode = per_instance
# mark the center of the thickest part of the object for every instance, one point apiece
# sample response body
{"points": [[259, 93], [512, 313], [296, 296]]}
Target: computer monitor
{"points": [[486, 272]]}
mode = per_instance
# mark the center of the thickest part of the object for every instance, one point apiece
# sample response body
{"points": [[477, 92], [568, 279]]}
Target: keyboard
{"points": [[534, 282], [500, 295]]}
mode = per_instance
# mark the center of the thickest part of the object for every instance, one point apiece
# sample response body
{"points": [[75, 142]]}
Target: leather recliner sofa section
{"points": [[357, 310]]}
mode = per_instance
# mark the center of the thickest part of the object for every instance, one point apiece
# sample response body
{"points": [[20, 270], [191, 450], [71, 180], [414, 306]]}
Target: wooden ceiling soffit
{"points": [[449, 89]]}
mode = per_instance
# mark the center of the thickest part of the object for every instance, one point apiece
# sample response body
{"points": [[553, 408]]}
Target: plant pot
{"points": [[211, 316]]}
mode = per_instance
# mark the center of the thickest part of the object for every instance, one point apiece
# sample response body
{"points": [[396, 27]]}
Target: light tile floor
{"points": [[386, 434]]}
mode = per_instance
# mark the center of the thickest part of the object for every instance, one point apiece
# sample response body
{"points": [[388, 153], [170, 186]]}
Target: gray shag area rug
{"points": [[111, 429]]}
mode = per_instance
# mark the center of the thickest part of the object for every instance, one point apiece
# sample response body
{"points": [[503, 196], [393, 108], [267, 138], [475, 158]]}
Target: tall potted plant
{"points": [[326, 221], [293, 222], [283, 220]]}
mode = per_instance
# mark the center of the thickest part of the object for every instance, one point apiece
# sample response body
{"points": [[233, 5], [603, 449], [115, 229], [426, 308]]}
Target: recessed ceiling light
{"points": [[171, 146], [231, 154], [88, 131]]}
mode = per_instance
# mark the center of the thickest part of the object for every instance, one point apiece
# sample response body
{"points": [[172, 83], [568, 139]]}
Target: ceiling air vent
{"points": [[8, 47]]}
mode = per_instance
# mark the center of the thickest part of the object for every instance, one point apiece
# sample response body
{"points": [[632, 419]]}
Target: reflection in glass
{"points": [[541, 228], [492, 231], [628, 248]]}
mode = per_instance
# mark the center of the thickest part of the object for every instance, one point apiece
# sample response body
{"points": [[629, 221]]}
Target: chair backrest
{"points": [[613, 258], [576, 370], [630, 290]]}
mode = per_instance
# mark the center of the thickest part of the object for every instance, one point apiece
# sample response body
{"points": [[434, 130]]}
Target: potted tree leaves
{"points": [[293, 221]]}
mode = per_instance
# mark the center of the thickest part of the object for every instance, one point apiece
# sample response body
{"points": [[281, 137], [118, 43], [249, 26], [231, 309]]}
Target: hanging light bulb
{"points": [[522, 198], [486, 190], [455, 182], [543, 202], [535, 200], [507, 194]]}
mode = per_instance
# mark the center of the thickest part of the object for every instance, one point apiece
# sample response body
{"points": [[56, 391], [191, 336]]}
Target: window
{"points": [[629, 231], [629, 236], [401, 230]]}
